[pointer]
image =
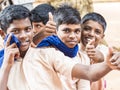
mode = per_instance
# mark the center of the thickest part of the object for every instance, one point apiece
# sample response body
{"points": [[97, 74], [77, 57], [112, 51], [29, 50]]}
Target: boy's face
{"points": [[69, 34], [22, 29], [91, 30], [37, 27]]}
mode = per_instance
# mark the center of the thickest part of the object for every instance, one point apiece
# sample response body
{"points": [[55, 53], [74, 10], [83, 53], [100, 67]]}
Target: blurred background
{"points": [[108, 8]]}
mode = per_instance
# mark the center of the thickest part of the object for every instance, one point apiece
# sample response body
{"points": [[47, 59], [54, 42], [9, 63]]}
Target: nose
{"points": [[72, 35], [23, 34], [92, 33]]}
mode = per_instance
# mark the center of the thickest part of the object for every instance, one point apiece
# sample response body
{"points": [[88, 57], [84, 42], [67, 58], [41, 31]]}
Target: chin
{"points": [[23, 49]]}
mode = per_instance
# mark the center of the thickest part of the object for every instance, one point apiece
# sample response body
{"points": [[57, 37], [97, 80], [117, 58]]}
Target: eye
{"points": [[15, 31], [86, 28], [97, 31], [77, 31], [66, 30], [38, 26], [28, 29]]}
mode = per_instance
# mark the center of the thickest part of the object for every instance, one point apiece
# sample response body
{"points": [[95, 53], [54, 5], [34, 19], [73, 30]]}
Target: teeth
{"points": [[88, 39], [23, 43]]}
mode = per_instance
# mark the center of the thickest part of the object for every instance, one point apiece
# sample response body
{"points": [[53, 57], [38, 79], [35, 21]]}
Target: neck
{"points": [[82, 47], [22, 53]]}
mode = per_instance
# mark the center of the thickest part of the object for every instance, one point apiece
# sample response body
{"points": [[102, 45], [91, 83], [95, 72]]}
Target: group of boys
{"points": [[48, 46]]}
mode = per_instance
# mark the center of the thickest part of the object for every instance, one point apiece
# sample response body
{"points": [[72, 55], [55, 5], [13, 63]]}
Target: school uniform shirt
{"points": [[83, 84], [101, 83], [77, 84], [39, 69]]}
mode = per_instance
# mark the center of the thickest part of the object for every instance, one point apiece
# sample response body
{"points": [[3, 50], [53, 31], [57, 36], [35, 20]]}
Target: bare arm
{"points": [[9, 54], [96, 71], [4, 77]]}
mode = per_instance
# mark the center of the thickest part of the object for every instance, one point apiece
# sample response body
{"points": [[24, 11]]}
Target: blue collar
{"points": [[56, 42]]}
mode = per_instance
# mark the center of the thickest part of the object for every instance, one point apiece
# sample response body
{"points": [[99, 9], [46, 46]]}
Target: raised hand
{"points": [[113, 59], [90, 48], [11, 52], [50, 28], [47, 30], [94, 54]]}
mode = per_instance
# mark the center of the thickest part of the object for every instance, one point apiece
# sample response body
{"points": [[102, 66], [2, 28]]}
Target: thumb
{"points": [[50, 16], [110, 52], [91, 42], [109, 56]]}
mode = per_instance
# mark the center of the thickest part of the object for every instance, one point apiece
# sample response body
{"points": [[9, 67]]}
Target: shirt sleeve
{"points": [[63, 64]]}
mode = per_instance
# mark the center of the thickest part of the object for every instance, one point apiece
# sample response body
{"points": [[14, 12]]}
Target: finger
{"points": [[90, 47], [8, 38], [50, 16], [108, 58], [118, 67], [13, 45], [91, 41], [110, 53], [115, 57], [51, 23], [51, 26], [48, 30]]}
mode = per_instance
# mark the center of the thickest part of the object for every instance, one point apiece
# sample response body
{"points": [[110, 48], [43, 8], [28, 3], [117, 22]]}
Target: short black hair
{"points": [[66, 14], [40, 13], [95, 17], [12, 12]]}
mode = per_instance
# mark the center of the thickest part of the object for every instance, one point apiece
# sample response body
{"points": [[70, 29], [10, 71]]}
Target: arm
{"points": [[50, 29], [95, 71], [9, 54], [92, 72], [4, 77]]}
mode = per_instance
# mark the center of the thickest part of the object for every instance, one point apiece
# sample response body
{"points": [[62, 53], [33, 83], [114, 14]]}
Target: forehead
{"points": [[69, 26], [93, 23], [19, 24]]}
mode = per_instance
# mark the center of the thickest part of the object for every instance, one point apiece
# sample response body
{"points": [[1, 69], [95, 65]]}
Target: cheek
{"points": [[79, 37], [62, 38], [31, 34], [98, 38]]}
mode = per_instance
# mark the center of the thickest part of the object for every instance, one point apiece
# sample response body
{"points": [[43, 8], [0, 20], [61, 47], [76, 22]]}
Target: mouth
{"points": [[24, 43]]}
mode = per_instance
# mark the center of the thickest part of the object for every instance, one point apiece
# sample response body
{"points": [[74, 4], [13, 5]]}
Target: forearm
{"points": [[90, 72], [97, 71], [4, 73], [38, 38]]}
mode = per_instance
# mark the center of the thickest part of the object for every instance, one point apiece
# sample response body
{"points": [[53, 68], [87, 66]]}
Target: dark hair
{"points": [[40, 13], [12, 12], [95, 17], [66, 14]]}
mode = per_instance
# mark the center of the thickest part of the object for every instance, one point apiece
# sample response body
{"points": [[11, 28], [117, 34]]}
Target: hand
{"points": [[94, 54], [50, 28], [113, 59], [11, 52], [90, 49]]}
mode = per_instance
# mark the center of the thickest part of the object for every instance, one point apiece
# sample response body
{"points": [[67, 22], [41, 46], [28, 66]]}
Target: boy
{"points": [[93, 28], [42, 21]]}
